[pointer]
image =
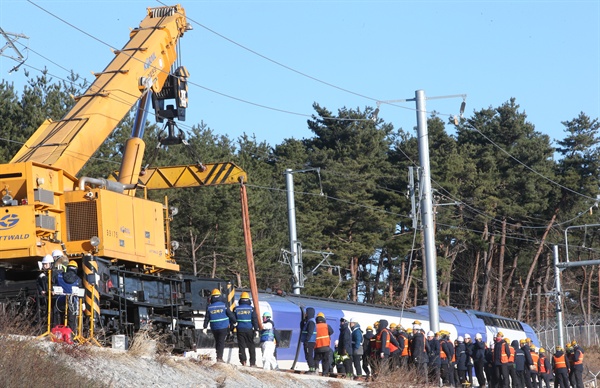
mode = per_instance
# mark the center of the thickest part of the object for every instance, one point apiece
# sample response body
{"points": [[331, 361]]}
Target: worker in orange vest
{"points": [[560, 366], [577, 364], [323, 344], [501, 356], [544, 368]]}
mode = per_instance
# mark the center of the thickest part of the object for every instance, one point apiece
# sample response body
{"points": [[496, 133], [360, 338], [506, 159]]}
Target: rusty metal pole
{"points": [[249, 254]]}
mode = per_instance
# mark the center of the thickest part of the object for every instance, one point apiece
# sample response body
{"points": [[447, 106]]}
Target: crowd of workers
{"points": [[63, 282], [382, 350], [436, 358]]}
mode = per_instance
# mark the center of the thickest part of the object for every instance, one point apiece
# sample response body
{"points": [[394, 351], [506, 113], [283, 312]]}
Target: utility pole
{"points": [[295, 245], [558, 268], [426, 206], [427, 213]]}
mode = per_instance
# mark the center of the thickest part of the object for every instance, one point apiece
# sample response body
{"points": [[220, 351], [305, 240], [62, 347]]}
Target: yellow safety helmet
{"points": [[507, 340], [542, 350], [559, 348], [72, 263], [573, 343], [393, 325], [244, 295], [369, 328], [500, 334], [215, 292], [376, 324], [522, 341], [416, 322], [532, 347], [321, 315], [409, 330]]}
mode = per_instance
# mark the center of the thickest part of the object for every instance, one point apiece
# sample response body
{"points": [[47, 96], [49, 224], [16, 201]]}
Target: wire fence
{"points": [[585, 331]]}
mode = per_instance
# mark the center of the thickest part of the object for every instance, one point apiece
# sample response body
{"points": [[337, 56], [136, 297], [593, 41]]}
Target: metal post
{"points": [[427, 213], [289, 180], [559, 312]]}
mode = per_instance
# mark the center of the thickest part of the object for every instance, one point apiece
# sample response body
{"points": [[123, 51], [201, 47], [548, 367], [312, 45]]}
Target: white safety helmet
{"points": [[467, 336], [47, 259], [57, 253], [430, 334], [478, 336], [460, 338]]}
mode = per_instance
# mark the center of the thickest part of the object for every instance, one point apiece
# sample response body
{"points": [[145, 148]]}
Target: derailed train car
{"points": [[288, 310]]}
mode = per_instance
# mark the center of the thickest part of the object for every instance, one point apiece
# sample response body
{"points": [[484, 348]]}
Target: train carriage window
{"points": [[285, 337]]}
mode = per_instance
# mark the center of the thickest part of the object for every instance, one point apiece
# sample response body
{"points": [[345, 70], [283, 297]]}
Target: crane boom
{"points": [[142, 65]]}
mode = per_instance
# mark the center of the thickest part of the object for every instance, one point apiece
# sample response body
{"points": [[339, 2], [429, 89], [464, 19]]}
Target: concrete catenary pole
{"points": [[427, 213], [289, 180]]}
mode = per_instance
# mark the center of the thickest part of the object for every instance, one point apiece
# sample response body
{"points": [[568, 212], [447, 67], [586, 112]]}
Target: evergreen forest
{"points": [[504, 194]]}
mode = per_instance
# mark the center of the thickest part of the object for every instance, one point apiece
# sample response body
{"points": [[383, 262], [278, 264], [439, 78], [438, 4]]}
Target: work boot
{"points": [[243, 363]]}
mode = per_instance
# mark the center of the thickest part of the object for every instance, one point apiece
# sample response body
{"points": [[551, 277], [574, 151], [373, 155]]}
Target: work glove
{"points": [[204, 331], [256, 334]]}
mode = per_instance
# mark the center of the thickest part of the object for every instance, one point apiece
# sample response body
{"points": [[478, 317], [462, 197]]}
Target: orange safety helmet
{"points": [[215, 292]]}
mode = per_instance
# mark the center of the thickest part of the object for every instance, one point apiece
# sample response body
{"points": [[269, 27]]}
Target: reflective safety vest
{"points": [[443, 354], [406, 348], [388, 343], [535, 357], [503, 355], [322, 335], [580, 361], [243, 313], [268, 332], [560, 362], [218, 317], [305, 336], [511, 357], [542, 365]]}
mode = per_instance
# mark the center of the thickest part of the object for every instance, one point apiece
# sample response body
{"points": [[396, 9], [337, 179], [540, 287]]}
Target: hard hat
{"points": [[460, 338], [528, 339], [573, 343], [507, 340], [522, 341], [467, 335], [353, 320], [72, 263], [478, 336], [267, 314], [376, 324], [321, 315], [47, 260], [500, 334], [559, 348], [393, 325], [532, 348], [416, 327], [215, 292], [542, 350], [430, 334], [57, 253], [245, 295], [369, 328], [416, 322], [409, 330]]}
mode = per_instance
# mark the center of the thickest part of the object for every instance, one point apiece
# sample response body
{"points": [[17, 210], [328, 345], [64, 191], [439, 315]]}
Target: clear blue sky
{"points": [[546, 54]]}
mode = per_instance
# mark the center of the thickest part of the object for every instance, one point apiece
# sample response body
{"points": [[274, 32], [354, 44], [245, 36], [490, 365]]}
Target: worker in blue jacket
{"points": [[221, 319], [308, 336], [247, 325]]}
